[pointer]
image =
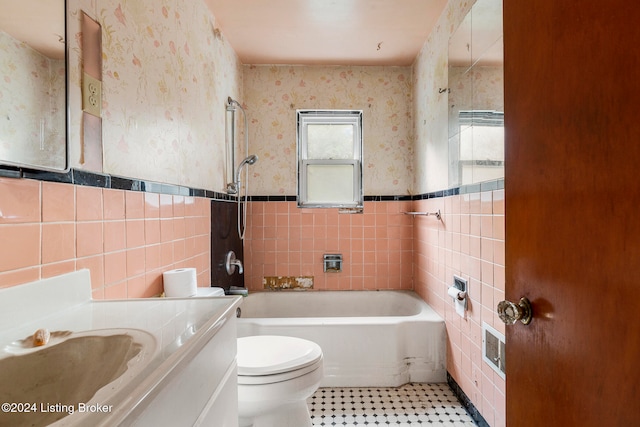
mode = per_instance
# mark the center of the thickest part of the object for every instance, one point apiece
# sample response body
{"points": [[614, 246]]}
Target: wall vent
{"points": [[493, 349]]}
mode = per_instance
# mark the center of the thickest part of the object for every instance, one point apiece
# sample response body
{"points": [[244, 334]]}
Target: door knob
{"points": [[510, 313]]}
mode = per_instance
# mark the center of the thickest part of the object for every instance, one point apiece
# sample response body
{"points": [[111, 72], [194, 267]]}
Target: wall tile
{"points": [[58, 242], [116, 291], [17, 277], [88, 203], [19, 201], [58, 268], [114, 236], [474, 253], [135, 262], [89, 238], [115, 267], [95, 264], [151, 231], [114, 204], [113, 248], [58, 202], [21, 246], [134, 230], [134, 205], [151, 205]]}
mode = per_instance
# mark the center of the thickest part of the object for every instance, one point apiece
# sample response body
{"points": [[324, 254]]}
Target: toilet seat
{"points": [[268, 359]]}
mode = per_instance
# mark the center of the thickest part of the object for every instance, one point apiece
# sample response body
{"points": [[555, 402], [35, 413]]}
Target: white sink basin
{"points": [[122, 362], [71, 370]]}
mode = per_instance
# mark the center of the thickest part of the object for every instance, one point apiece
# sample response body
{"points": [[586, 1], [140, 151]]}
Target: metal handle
{"points": [[231, 262], [510, 313]]}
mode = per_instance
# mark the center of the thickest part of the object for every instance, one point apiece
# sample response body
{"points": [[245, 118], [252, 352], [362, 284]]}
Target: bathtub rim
{"points": [[425, 313]]}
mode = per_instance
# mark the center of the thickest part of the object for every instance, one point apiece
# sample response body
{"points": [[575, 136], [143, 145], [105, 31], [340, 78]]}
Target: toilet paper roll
{"points": [[459, 300], [455, 293], [181, 282]]}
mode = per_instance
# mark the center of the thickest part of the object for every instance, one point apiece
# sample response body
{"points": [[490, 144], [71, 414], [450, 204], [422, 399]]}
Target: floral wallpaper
{"points": [[274, 93], [167, 72], [32, 98]]}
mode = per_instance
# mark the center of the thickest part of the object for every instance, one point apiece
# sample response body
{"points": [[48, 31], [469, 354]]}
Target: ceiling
{"points": [[38, 23], [327, 32]]}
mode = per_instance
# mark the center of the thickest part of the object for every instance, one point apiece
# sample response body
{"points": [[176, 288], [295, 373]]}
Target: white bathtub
{"points": [[368, 338]]}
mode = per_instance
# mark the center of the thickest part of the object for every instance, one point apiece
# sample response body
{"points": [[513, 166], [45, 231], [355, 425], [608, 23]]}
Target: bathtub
{"points": [[368, 338]]}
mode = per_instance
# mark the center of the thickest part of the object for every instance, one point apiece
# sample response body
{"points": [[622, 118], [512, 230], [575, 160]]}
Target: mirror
{"points": [[476, 96], [33, 84]]}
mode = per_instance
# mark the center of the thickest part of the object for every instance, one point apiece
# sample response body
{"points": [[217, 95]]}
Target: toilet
{"points": [[276, 376], [209, 292]]}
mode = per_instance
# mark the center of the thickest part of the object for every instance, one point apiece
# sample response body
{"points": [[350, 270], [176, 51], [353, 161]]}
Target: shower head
{"points": [[249, 160], [234, 187]]}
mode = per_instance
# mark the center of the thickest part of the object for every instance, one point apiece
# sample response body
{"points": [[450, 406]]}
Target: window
{"points": [[481, 156], [330, 158]]}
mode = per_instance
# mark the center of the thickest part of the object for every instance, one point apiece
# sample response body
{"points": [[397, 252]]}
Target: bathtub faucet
{"points": [[231, 262]]}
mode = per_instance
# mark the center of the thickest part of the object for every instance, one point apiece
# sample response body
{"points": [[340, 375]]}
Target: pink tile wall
{"points": [[377, 246], [469, 242], [125, 238]]}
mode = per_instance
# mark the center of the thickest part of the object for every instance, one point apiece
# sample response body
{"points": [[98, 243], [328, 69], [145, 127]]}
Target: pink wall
{"points": [[385, 249], [377, 246], [125, 238], [470, 243]]}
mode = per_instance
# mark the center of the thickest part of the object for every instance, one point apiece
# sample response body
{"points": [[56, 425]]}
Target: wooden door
{"points": [[572, 120]]}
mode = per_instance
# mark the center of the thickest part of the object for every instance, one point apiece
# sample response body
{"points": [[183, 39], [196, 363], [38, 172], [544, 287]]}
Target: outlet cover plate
{"points": [[91, 95]]}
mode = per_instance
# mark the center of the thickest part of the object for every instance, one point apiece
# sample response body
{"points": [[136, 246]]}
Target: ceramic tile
{"points": [[406, 406], [114, 207], [88, 203], [89, 238], [134, 205], [19, 201], [58, 202], [58, 242], [21, 246]]}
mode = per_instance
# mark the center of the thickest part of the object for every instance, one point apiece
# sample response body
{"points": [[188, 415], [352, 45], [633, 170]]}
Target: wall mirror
{"points": [[33, 93], [476, 96]]}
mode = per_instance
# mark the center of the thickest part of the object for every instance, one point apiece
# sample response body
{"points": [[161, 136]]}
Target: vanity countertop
{"points": [[180, 327]]}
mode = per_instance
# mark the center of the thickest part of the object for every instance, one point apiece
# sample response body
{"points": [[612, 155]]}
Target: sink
{"points": [[68, 372], [152, 361]]}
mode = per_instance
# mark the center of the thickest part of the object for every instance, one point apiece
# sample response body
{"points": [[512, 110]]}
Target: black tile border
{"points": [[466, 402], [465, 189], [93, 179]]}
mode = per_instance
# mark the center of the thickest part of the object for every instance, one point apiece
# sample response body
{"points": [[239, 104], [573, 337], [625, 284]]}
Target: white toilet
{"points": [[276, 375], [209, 292]]}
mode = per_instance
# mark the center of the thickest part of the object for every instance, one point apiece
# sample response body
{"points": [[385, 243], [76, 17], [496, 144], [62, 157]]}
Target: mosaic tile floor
{"points": [[406, 406]]}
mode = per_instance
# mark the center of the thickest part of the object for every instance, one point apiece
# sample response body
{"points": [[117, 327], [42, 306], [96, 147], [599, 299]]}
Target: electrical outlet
{"points": [[91, 95]]}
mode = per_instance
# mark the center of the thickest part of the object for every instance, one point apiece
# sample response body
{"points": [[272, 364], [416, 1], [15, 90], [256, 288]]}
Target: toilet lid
{"points": [[272, 354]]}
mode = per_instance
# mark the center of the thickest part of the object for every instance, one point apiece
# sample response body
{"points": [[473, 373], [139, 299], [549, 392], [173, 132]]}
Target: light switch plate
{"points": [[91, 95]]}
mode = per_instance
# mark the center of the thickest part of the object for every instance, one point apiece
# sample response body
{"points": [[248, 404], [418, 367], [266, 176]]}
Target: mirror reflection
{"points": [[33, 84], [476, 96]]}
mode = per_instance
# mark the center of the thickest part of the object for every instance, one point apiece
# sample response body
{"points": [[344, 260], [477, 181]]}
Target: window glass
{"points": [[330, 184], [329, 141], [330, 158]]}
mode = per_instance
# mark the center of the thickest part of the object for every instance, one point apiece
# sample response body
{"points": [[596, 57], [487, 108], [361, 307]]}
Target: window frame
{"points": [[307, 117]]}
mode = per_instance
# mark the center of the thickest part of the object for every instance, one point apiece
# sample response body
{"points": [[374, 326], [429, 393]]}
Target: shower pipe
{"points": [[235, 187]]}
